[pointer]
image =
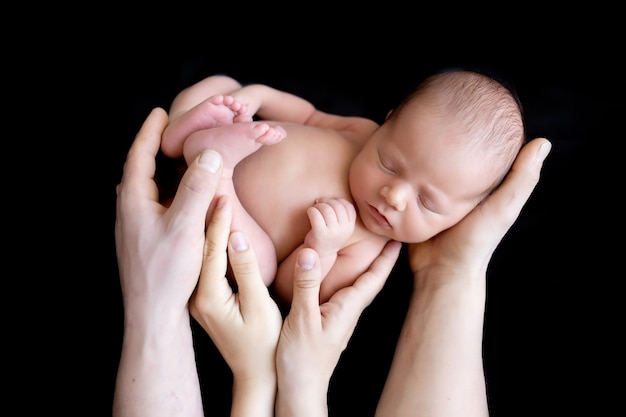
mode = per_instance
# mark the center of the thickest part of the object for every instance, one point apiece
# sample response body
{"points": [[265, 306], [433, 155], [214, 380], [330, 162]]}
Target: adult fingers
{"points": [[501, 209], [369, 284], [181, 126], [341, 313], [253, 294], [470, 243], [306, 283], [140, 166], [197, 188], [213, 283]]}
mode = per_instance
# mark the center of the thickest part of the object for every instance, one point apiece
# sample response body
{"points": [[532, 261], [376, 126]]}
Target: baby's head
{"points": [[447, 145]]}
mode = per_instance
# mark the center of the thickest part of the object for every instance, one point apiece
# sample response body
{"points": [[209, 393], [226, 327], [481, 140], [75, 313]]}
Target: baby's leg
{"points": [[259, 240], [215, 111], [191, 111], [192, 96], [234, 142]]}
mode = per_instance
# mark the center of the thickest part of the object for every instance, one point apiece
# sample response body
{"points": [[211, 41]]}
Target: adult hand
{"points": [[159, 249], [244, 325], [469, 244], [159, 253], [437, 369], [314, 336]]}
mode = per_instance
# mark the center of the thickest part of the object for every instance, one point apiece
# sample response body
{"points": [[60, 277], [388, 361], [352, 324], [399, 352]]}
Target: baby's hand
{"points": [[332, 223]]}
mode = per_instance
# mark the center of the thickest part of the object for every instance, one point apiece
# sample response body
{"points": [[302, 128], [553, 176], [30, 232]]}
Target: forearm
{"points": [[305, 399], [254, 397], [437, 369], [157, 375]]}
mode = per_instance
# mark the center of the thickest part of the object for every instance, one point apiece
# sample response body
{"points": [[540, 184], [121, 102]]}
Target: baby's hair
{"points": [[487, 111]]}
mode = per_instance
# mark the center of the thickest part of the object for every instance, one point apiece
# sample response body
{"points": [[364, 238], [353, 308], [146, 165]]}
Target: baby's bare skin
{"points": [[407, 179], [214, 124], [257, 176], [283, 215], [218, 110], [250, 136]]}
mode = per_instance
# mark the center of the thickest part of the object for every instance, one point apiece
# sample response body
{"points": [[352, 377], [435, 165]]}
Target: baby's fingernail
{"points": [[210, 160], [238, 241], [306, 260]]}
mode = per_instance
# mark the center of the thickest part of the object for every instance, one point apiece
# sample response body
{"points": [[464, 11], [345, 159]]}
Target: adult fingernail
{"points": [[210, 160], [543, 151], [238, 241], [306, 260]]}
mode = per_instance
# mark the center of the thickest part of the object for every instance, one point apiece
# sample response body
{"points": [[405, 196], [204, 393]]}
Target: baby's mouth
{"points": [[382, 220]]}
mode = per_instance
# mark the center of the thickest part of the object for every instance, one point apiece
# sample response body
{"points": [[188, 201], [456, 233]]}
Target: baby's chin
{"points": [[404, 238]]}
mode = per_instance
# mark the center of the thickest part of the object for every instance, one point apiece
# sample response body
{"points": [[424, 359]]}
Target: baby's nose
{"points": [[396, 195]]}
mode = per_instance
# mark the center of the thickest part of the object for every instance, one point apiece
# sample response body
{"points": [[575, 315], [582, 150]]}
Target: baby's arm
{"points": [[332, 224]]}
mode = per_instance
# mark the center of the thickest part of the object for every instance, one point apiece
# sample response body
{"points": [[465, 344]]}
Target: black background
{"points": [[539, 295]]}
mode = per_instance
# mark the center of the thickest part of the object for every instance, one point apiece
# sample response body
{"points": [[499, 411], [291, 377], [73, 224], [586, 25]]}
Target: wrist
{"points": [[302, 399], [432, 278], [254, 396], [301, 404]]}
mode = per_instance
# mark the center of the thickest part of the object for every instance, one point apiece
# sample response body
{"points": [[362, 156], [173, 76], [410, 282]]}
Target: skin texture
{"points": [[437, 368], [162, 251], [159, 252], [244, 325], [406, 180], [314, 336], [296, 357]]}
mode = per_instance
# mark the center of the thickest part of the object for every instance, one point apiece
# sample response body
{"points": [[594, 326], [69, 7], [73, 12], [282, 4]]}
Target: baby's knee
{"points": [[222, 84]]}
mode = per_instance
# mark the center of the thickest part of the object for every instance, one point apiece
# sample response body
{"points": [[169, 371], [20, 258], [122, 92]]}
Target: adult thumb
{"points": [[197, 187], [306, 281]]}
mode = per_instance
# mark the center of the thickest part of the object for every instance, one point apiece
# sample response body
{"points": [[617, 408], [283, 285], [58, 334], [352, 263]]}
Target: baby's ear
{"points": [[388, 114]]}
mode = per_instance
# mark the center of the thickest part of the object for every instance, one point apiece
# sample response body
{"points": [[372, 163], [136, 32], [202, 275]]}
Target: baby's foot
{"points": [[234, 142], [215, 111]]}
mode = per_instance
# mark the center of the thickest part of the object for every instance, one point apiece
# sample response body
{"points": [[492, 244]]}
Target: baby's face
{"points": [[414, 179]]}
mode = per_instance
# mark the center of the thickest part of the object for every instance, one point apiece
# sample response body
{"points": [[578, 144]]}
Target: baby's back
{"points": [[279, 182]]}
